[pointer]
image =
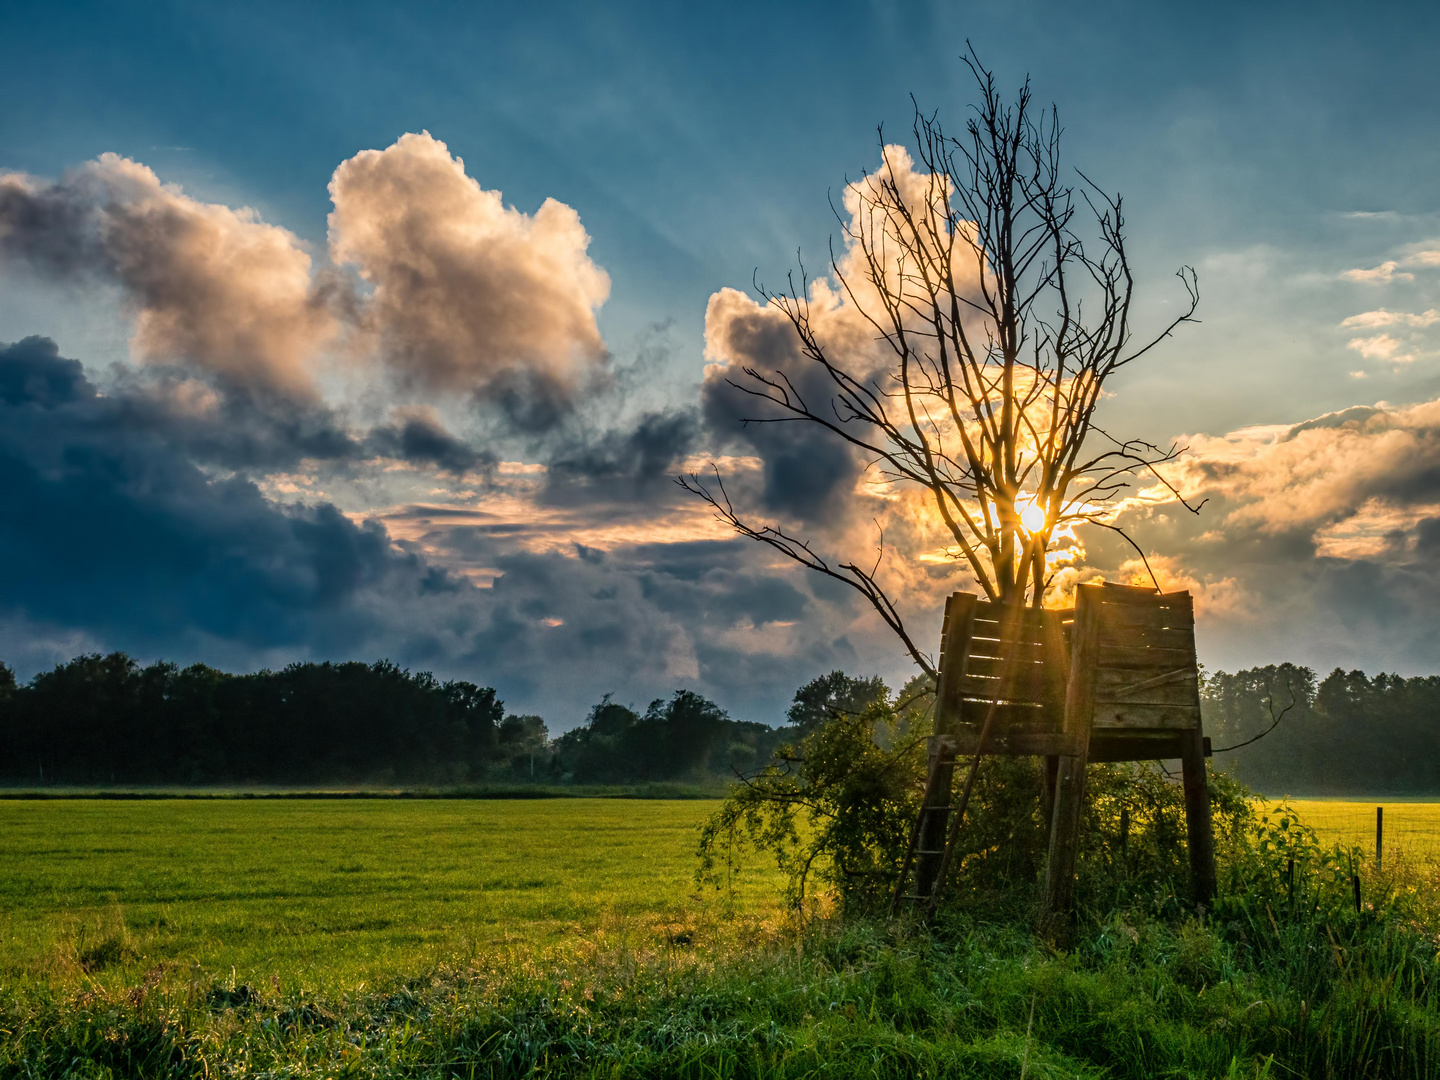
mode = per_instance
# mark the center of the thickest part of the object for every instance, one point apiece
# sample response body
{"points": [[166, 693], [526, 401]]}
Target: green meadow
{"points": [[567, 937], [332, 893], [1411, 829]]}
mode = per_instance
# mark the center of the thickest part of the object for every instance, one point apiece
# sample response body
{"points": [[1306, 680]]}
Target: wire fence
{"points": [[1408, 831]]}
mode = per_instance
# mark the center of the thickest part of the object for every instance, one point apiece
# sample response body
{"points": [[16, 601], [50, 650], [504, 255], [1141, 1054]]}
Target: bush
{"points": [[835, 809]]}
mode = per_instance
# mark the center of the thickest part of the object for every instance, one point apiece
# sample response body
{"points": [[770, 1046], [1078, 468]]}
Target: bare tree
{"points": [[999, 329]]}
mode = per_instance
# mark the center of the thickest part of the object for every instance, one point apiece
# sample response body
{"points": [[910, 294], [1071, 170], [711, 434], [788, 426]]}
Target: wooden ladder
{"points": [[959, 694], [931, 844]]}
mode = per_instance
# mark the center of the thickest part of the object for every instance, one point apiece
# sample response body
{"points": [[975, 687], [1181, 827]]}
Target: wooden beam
{"points": [[1012, 743], [1144, 656], [1179, 717]]}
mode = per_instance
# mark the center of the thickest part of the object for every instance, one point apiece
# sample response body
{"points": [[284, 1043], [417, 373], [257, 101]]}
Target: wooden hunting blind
{"points": [[1113, 679]]}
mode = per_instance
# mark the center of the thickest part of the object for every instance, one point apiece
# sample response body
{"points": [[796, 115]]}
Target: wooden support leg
{"points": [[1047, 788], [1200, 834], [1064, 841], [1070, 771]]}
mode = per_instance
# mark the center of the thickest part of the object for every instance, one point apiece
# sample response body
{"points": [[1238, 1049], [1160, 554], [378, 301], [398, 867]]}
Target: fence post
{"points": [[1379, 836]]}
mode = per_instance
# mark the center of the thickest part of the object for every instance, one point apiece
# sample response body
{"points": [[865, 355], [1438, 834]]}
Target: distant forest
{"points": [[1348, 734], [101, 720], [107, 720]]}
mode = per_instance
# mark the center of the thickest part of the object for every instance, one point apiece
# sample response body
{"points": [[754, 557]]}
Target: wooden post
{"points": [[1200, 837], [1070, 768], [1057, 680], [959, 626], [1379, 837], [1047, 787]]}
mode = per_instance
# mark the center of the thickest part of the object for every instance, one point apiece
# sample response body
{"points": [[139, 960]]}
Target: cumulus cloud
{"points": [[1383, 274], [1374, 319], [1311, 475], [1417, 257], [1403, 339], [418, 435], [209, 285], [1317, 542], [1381, 347], [808, 473], [469, 295], [458, 292], [114, 529]]}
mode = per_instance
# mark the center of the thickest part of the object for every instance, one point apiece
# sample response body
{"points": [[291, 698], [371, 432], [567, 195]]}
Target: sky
{"points": [[375, 330]]}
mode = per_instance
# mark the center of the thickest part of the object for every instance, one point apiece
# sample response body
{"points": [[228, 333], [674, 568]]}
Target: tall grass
{"points": [[1329, 993]]}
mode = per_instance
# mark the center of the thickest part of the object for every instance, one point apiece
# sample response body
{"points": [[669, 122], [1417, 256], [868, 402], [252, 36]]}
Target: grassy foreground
{"points": [[523, 939], [328, 894]]}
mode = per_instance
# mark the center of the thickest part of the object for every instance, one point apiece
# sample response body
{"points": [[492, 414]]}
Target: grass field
{"points": [[1412, 829], [333, 893], [519, 939]]}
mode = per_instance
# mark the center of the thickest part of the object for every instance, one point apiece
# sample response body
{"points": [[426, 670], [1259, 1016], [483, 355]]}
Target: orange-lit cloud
{"points": [[1383, 274], [1312, 475]]}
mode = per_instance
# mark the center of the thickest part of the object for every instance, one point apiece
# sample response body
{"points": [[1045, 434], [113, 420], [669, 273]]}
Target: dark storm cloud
{"points": [[422, 440], [212, 423], [32, 372], [46, 227], [111, 528], [115, 528], [809, 473], [649, 449], [625, 472], [643, 621], [220, 425]]}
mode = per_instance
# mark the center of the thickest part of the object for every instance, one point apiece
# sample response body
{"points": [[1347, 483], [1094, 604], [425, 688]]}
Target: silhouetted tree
{"points": [[998, 329], [824, 698], [686, 738]]}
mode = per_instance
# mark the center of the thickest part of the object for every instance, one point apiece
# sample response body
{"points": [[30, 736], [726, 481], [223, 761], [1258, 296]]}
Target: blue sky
{"points": [[1274, 147]]}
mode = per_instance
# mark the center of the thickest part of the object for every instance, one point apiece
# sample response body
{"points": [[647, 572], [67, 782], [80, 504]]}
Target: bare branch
{"points": [[993, 327]]}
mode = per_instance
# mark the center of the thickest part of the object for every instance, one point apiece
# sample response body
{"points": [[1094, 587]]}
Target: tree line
{"points": [[1346, 734], [105, 719], [108, 720]]}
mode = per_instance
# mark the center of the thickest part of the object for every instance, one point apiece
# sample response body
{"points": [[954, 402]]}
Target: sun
{"points": [[1032, 514]]}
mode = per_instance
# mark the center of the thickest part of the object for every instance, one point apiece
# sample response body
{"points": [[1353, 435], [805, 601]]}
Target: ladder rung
{"points": [[937, 808], [919, 852]]}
